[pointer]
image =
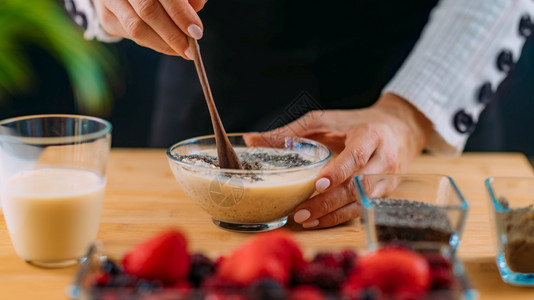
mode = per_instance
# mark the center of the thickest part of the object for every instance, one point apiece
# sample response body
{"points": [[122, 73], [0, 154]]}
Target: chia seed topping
{"points": [[249, 161]]}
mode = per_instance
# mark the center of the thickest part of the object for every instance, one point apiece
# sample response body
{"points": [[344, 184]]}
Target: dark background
{"points": [[134, 90]]}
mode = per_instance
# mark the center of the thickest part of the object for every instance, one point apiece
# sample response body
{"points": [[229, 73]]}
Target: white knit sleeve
{"points": [[464, 53], [84, 14]]}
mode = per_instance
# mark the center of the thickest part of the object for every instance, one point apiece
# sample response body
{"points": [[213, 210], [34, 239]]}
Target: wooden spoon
{"points": [[227, 156]]}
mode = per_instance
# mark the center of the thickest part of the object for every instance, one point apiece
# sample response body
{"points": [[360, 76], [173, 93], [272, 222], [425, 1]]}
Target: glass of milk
{"points": [[52, 180]]}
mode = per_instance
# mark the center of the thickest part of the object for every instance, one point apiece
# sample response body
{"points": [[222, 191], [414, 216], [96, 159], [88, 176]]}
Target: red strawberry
{"points": [[102, 279], [183, 286], [393, 271], [306, 292], [274, 254], [163, 257]]}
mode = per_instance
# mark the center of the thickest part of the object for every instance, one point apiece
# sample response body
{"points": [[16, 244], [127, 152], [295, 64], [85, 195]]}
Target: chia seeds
{"points": [[518, 226], [249, 161], [407, 220], [282, 161]]}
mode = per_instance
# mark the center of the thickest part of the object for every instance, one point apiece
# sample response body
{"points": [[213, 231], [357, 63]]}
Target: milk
{"points": [[52, 214]]}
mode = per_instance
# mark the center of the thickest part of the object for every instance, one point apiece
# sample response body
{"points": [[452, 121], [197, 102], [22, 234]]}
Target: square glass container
{"points": [[511, 201], [419, 209]]}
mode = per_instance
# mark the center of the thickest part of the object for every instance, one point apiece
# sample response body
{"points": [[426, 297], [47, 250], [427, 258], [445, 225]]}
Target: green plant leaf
{"points": [[45, 24]]}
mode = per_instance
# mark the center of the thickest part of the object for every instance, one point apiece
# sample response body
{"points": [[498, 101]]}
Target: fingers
{"points": [[197, 4], [329, 209], [111, 23], [183, 15], [340, 203], [113, 26], [158, 18], [158, 24], [358, 150], [378, 186], [276, 138], [334, 139]]}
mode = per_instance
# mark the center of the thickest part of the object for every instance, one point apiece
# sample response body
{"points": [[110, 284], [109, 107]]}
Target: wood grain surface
{"points": [[142, 197]]}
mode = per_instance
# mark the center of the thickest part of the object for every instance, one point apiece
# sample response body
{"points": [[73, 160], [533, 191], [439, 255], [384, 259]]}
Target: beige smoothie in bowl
{"points": [[260, 197]]}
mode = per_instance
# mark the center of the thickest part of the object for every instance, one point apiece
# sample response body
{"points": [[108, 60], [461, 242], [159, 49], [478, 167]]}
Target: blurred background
{"points": [[47, 67]]}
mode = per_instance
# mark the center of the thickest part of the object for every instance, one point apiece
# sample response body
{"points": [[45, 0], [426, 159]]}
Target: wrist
{"points": [[419, 127]]}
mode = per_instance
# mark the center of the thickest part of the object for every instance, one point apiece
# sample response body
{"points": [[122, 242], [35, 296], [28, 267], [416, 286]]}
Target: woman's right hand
{"points": [[158, 24]]}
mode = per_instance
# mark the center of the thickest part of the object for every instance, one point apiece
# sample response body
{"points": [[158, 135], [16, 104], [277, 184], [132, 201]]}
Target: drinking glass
{"points": [[52, 181]]}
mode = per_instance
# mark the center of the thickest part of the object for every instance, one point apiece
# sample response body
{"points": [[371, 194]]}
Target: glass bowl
{"points": [[247, 200], [421, 210], [512, 200]]}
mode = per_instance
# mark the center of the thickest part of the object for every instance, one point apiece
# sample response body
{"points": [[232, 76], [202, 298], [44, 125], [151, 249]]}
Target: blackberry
{"points": [[329, 259], [266, 289], [215, 283], [110, 267], [345, 260], [369, 294], [201, 267], [349, 260], [441, 279], [437, 261], [364, 294], [145, 286], [318, 275], [123, 280]]}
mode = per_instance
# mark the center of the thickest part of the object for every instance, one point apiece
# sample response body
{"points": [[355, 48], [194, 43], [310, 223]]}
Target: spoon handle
{"points": [[227, 156]]}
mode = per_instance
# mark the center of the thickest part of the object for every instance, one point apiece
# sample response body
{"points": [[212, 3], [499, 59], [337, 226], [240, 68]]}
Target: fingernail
{"points": [[302, 215], [311, 223], [195, 31], [188, 53], [322, 184]]}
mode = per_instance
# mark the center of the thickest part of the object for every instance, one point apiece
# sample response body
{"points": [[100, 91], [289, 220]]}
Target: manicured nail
{"points": [[322, 184], [311, 223], [302, 215], [188, 53], [195, 31]]}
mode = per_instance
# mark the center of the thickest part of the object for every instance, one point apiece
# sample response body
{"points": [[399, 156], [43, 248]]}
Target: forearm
{"points": [[464, 53]]}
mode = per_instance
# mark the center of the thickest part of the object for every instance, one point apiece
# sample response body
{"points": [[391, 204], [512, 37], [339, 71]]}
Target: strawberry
{"points": [[102, 279], [306, 292], [394, 271], [319, 275], [163, 257], [183, 286], [274, 255]]}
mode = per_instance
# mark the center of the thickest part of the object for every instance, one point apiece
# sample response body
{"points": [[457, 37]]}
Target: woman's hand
{"points": [[158, 24], [383, 138]]}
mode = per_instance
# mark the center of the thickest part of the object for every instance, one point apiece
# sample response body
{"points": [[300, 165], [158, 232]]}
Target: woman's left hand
{"points": [[383, 138]]}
